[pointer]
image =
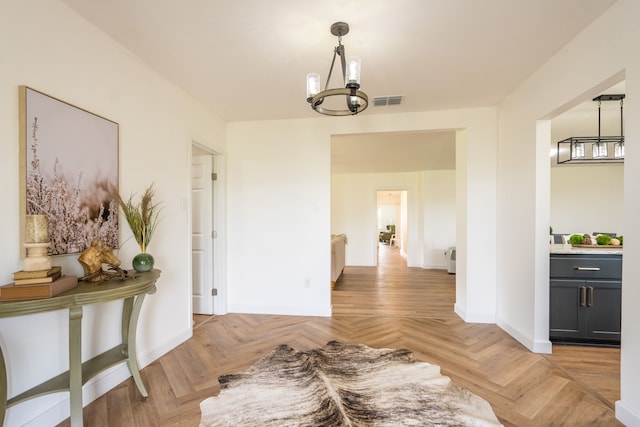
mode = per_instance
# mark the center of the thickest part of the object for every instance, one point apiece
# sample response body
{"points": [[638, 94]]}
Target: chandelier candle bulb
{"points": [[353, 71], [313, 85], [36, 230]]}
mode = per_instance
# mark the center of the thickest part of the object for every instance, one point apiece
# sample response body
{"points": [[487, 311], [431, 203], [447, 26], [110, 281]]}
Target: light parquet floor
{"points": [[391, 306]]}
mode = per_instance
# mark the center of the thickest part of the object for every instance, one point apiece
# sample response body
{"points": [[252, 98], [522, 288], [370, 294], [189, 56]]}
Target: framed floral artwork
{"points": [[68, 160]]}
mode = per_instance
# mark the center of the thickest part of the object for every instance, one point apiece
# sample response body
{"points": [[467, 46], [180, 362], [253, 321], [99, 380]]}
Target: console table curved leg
{"points": [[130, 315], [75, 365], [3, 388]]}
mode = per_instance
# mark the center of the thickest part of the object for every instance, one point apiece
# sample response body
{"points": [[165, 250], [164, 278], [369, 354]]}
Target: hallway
{"points": [[394, 290]]}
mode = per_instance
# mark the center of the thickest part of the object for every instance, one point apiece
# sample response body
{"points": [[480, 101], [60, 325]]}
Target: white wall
{"points": [[279, 198], [353, 208], [353, 205], [439, 216], [403, 236], [587, 199], [387, 215], [603, 54], [476, 224], [431, 215], [278, 201], [48, 47], [628, 407]]}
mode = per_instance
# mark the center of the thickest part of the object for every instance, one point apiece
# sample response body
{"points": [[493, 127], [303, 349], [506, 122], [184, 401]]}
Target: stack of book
{"points": [[37, 284]]}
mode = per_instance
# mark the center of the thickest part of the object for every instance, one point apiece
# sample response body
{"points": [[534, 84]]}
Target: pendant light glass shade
{"points": [[313, 85], [618, 150], [353, 72], [600, 150], [577, 150]]}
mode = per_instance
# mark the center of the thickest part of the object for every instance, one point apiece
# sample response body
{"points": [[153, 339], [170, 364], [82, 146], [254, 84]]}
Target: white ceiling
{"points": [[389, 197], [247, 59], [393, 152]]}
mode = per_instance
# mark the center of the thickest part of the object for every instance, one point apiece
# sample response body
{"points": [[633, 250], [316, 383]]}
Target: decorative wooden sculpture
{"points": [[92, 259]]}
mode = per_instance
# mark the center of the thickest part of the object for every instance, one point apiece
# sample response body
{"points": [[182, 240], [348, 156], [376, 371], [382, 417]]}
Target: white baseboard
{"points": [[55, 413], [626, 415], [147, 358], [460, 311], [474, 317], [313, 310], [536, 346], [434, 266]]}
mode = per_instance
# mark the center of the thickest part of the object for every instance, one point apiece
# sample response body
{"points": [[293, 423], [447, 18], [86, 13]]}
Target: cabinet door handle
{"points": [[583, 296], [589, 296], [588, 268]]}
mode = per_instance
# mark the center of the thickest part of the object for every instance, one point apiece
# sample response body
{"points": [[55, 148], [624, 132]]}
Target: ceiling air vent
{"points": [[380, 101]]}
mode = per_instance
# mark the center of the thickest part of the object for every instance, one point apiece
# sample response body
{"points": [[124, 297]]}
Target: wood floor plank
{"points": [[391, 306]]}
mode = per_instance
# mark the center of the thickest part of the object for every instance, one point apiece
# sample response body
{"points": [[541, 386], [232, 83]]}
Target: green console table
{"points": [[132, 291]]}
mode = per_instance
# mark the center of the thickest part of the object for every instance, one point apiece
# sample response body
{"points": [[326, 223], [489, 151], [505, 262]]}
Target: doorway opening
{"points": [[569, 186], [391, 220]]}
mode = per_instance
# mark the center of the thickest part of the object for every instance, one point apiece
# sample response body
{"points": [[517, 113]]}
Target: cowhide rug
{"points": [[343, 385]]}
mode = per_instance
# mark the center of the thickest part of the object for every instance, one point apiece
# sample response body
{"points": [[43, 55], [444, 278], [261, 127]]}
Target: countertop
{"points": [[568, 249]]}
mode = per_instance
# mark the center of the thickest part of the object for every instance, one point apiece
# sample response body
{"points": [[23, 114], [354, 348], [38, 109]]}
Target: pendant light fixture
{"points": [[604, 149], [347, 101]]}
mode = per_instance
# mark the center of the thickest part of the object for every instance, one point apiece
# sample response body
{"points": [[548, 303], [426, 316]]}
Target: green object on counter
{"points": [[576, 239]]}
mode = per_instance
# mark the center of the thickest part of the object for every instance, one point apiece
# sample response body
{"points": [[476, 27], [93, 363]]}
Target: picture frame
{"points": [[68, 166]]}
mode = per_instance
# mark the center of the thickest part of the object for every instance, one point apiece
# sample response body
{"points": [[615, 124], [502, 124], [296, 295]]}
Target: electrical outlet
{"points": [[307, 283]]}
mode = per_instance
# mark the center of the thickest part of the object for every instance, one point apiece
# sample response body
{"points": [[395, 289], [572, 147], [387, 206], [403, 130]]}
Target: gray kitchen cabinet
{"points": [[585, 298]]}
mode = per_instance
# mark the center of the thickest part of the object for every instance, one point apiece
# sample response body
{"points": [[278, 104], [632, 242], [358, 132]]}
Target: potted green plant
{"points": [[142, 217]]}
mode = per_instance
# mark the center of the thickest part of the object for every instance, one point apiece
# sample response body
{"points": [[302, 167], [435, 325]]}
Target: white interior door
{"points": [[202, 234]]}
